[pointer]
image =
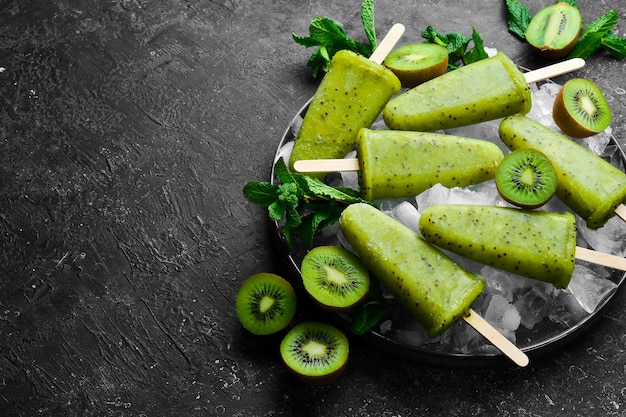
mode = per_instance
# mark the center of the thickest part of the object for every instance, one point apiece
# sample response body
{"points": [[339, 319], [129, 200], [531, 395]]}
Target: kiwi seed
{"points": [[316, 353], [526, 178], [555, 29], [580, 109], [265, 303], [416, 63], [334, 277]]}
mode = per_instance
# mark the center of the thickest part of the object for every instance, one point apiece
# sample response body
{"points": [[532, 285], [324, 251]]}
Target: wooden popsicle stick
{"points": [[496, 338], [387, 44], [621, 211], [326, 165], [601, 258], [553, 70]]}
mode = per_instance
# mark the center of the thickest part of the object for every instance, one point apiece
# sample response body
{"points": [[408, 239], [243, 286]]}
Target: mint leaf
{"points": [[616, 46], [367, 18], [570, 2], [593, 34], [371, 311], [260, 192], [518, 18], [477, 52]]}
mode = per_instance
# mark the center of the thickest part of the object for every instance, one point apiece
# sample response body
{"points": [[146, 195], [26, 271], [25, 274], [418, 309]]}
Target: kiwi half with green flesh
{"points": [[316, 353], [416, 63], [334, 277], [555, 29], [581, 109], [265, 303], [526, 178]]}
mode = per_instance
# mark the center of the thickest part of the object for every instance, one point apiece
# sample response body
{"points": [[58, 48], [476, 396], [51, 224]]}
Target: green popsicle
{"points": [[536, 244], [485, 90], [432, 287], [399, 164], [589, 185], [350, 96]]}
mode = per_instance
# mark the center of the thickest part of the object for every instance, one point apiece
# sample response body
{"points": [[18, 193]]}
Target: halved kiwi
{"points": [[265, 303], [526, 178], [416, 63], [316, 353], [581, 109], [334, 277], [555, 29]]}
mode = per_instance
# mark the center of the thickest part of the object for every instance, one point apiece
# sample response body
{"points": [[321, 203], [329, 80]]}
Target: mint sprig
{"points": [[329, 37], [593, 34], [457, 45], [305, 203]]}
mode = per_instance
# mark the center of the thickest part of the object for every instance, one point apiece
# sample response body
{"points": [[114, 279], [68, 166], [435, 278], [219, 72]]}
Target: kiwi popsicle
{"points": [[537, 244], [350, 96], [394, 164], [484, 90], [430, 285], [589, 185]]}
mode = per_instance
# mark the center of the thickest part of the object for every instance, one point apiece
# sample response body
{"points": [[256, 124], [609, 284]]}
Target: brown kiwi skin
{"points": [[566, 121]]}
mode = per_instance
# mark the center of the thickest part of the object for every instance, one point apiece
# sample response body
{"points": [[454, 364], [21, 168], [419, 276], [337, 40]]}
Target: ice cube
{"points": [[534, 305], [437, 194], [611, 238], [589, 289], [284, 152], [567, 310], [502, 314], [407, 214]]}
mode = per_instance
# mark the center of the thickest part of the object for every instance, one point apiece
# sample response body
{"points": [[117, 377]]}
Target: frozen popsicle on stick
{"points": [[350, 96], [484, 90], [536, 244], [432, 287], [592, 187], [394, 164]]}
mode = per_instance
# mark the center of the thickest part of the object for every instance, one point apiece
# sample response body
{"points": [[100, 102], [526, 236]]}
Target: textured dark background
{"points": [[127, 131]]}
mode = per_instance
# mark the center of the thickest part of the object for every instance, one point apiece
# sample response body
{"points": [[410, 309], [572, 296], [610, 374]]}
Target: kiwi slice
{"points": [[316, 353], [334, 277], [526, 178], [416, 63], [555, 29], [580, 109], [265, 303]]}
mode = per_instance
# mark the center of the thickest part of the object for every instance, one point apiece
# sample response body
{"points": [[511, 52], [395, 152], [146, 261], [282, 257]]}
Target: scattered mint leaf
{"points": [[615, 45], [330, 37], [367, 18], [593, 34], [477, 52], [518, 18], [371, 311], [305, 203]]}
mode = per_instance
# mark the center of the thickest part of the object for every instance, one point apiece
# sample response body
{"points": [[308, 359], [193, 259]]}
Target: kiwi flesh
{"points": [[526, 178], [555, 29], [334, 277], [416, 63], [265, 303], [581, 109], [315, 353]]}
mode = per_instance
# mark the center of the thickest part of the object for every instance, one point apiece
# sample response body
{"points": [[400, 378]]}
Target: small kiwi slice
{"points": [[265, 303], [526, 178], [580, 109], [555, 29], [334, 277], [316, 353], [416, 63]]}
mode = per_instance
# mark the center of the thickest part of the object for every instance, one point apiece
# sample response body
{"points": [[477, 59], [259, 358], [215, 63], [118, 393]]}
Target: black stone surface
{"points": [[127, 131]]}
